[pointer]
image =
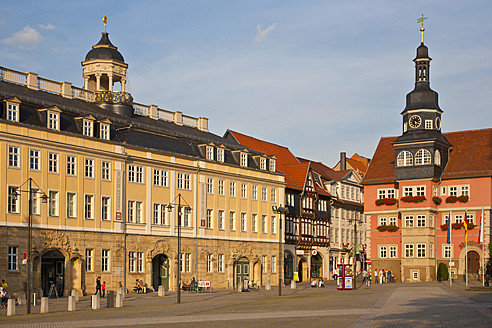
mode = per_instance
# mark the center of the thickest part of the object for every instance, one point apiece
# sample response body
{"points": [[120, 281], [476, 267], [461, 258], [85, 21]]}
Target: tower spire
{"points": [[105, 21], [422, 29]]}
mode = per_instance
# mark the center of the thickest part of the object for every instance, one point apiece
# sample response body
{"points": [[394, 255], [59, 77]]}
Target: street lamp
{"points": [[356, 251], [280, 210], [44, 198], [187, 209]]}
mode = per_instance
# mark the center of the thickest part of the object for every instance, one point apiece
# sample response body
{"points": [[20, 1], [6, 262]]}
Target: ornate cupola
{"points": [[102, 68], [421, 151]]}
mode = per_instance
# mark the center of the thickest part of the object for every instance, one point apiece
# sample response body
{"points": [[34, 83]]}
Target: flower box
{"points": [[444, 227], [389, 228], [463, 199], [413, 199], [451, 199], [386, 201], [437, 200]]}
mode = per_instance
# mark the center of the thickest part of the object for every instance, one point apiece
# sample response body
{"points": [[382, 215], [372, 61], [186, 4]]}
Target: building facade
{"points": [[418, 180], [116, 173]]}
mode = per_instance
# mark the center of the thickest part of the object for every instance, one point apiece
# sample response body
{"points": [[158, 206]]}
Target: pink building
{"points": [[417, 180]]}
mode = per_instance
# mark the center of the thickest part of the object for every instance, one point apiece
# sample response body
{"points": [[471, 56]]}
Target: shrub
{"points": [[442, 272], [444, 227], [463, 199], [437, 200], [413, 199], [385, 201], [451, 199]]}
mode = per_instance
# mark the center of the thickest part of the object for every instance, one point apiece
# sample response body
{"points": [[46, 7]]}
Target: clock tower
{"points": [[421, 152]]}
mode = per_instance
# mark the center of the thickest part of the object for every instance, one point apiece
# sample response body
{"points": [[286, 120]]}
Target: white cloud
{"points": [[25, 37], [46, 26], [261, 33]]}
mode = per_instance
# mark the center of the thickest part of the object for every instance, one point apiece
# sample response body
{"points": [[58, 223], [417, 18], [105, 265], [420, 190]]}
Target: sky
{"points": [[319, 77]]}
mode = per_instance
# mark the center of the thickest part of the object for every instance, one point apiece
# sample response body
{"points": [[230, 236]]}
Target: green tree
{"points": [[442, 272]]}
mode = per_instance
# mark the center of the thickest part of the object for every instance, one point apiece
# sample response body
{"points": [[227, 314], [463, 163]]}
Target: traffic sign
{"points": [[314, 252], [24, 256], [368, 261]]}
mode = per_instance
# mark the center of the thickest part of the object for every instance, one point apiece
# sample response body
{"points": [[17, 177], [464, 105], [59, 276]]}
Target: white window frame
{"points": [[12, 258], [89, 259], [105, 208], [210, 259], [220, 155], [89, 165], [71, 205], [71, 165], [447, 251], [88, 128], [263, 163], [184, 181], [106, 170], [421, 250], [89, 207], [254, 223], [244, 190], [13, 199], [131, 262], [13, 112], [53, 203], [209, 218], [34, 160], [210, 186], [53, 161], [393, 252], [220, 263], [272, 165], [409, 221], [14, 156], [221, 187], [274, 263], [105, 260], [383, 221], [161, 178], [421, 221], [409, 251], [383, 252], [428, 124], [209, 153], [243, 223], [140, 262], [273, 224], [53, 120], [243, 160], [232, 220], [104, 131], [232, 189], [254, 192], [220, 219], [404, 158]]}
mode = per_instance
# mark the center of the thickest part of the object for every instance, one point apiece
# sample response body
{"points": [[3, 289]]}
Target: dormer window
{"points": [[405, 127], [53, 120], [13, 112], [272, 165], [244, 160], [104, 132], [262, 163], [220, 155], [210, 153], [88, 128]]}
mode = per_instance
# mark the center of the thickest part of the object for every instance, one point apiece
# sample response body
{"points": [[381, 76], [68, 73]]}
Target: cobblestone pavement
{"points": [[389, 305]]}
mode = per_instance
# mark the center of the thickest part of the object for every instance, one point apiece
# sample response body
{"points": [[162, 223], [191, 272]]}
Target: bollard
{"points": [[240, 288], [161, 292], [110, 300], [96, 302], [34, 299], [44, 305], [268, 286], [75, 293], [293, 284], [72, 304], [121, 291], [21, 298], [10, 307], [119, 300]]}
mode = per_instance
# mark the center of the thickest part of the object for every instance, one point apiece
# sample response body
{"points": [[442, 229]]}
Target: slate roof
{"points": [[137, 131], [470, 156]]}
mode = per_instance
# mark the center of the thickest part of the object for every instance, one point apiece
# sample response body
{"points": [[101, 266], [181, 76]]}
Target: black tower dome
{"points": [[104, 49]]}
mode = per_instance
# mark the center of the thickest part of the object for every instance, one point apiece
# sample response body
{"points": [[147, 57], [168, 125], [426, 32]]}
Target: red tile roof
{"points": [[470, 156]]}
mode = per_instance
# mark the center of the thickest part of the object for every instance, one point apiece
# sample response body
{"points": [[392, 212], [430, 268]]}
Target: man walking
{"points": [[488, 273], [376, 277], [98, 286]]}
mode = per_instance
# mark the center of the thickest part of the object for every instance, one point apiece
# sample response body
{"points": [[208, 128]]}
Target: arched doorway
{"points": [[473, 262], [160, 272], [288, 267], [301, 268], [242, 270], [316, 266], [52, 266]]}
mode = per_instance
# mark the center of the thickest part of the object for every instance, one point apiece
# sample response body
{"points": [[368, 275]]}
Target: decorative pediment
{"points": [[57, 239], [242, 249], [160, 247]]}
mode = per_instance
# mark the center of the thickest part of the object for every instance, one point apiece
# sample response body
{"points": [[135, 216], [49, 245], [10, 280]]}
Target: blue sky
{"points": [[319, 77]]}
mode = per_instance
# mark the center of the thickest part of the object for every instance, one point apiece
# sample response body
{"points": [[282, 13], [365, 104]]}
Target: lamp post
{"points": [[179, 207], [44, 198], [356, 251], [280, 210]]}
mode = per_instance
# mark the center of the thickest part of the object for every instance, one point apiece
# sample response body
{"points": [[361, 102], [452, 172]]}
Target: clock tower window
{"points": [[404, 158], [422, 157]]}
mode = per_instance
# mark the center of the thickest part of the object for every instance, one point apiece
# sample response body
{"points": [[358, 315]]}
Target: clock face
{"points": [[415, 121], [438, 123]]}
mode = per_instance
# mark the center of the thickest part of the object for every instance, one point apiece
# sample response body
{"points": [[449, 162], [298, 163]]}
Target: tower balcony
{"points": [[113, 97]]}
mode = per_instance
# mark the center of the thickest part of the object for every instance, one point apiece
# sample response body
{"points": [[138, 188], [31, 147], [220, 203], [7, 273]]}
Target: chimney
{"points": [[343, 161]]}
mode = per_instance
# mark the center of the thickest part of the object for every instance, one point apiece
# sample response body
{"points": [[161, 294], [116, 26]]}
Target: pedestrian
{"points": [[381, 275], [388, 278], [321, 283], [364, 276], [98, 286], [488, 273], [103, 288], [376, 276], [4, 297], [59, 285], [4, 284], [368, 280], [314, 283]]}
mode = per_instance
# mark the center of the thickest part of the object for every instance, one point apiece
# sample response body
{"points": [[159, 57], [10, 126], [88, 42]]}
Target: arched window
{"points": [[423, 156], [437, 157], [404, 158]]}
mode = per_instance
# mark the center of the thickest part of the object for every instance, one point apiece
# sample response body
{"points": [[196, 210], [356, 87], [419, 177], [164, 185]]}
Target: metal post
{"points": [[280, 255], [355, 254], [179, 251], [29, 246]]}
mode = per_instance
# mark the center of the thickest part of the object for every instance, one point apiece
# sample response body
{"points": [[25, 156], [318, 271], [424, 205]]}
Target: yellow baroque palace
{"points": [[100, 179]]}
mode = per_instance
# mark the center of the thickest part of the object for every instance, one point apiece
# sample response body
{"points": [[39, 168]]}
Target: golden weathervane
{"points": [[105, 21], [422, 29]]}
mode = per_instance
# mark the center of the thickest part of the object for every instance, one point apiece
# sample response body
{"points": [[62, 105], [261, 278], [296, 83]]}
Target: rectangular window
{"points": [[185, 215], [14, 154], [264, 264], [135, 174], [421, 221], [382, 251], [273, 194], [421, 250], [13, 113], [210, 262], [254, 222], [458, 218], [392, 251], [53, 203], [244, 190], [447, 251], [89, 259], [187, 262], [221, 188], [263, 224], [71, 165], [89, 168], [53, 119], [232, 189], [131, 261], [52, 162], [262, 163], [34, 159], [35, 201], [254, 192], [184, 181], [208, 221], [243, 222], [409, 221], [135, 209], [408, 191], [273, 226], [264, 194], [409, 250], [232, 221], [89, 207], [272, 165], [220, 220], [465, 190], [140, 262], [160, 178], [420, 190], [106, 170], [105, 208], [382, 221], [244, 160], [392, 221], [88, 128], [13, 258], [428, 124], [274, 264], [381, 193], [453, 191], [13, 200], [210, 186], [71, 205], [220, 263], [105, 260], [210, 153], [470, 218], [220, 154], [104, 133]]}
